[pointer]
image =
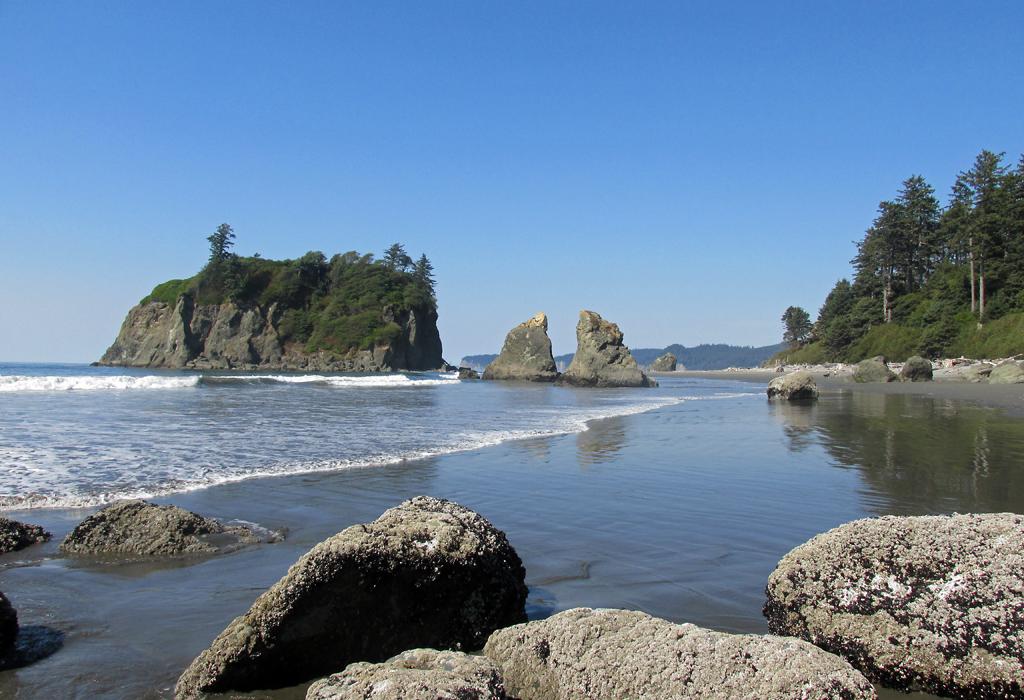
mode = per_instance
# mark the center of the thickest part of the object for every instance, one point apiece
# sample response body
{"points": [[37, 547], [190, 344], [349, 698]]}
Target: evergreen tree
{"points": [[396, 258], [797, 324], [221, 242], [423, 274]]}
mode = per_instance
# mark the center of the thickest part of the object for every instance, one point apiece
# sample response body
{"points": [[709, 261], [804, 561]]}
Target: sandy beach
{"points": [[1005, 397]]}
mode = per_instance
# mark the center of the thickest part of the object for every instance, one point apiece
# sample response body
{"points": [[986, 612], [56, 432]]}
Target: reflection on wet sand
{"points": [[916, 454], [601, 442]]}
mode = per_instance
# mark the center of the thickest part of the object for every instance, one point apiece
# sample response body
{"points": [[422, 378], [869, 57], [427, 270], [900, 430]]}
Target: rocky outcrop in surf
{"points": [[427, 573], [928, 603], [526, 354], [795, 386], [227, 336], [418, 674], [664, 363], [15, 535], [612, 654], [140, 529], [601, 359]]}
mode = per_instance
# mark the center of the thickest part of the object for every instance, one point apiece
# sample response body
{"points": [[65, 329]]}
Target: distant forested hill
{"points": [[932, 280], [700, 357]]}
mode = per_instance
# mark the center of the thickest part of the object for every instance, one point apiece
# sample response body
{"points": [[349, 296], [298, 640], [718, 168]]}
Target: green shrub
{"points": [[168, 292], [894, 341]]}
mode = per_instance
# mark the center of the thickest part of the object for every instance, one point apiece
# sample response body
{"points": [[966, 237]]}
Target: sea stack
{"points": [[526, 354], [601, 359], [665, 363]]}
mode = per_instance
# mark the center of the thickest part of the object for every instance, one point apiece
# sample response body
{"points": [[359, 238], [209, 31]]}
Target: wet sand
{"points": [[1006, 397]]}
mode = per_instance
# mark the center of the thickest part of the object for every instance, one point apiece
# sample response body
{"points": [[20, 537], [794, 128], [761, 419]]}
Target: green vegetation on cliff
{"points": [[336, 305], [932, 280]]}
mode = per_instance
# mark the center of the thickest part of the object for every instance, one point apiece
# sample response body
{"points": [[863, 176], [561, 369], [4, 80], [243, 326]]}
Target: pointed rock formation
{"points": [[665, 363], [601, 359], [526, 354]]}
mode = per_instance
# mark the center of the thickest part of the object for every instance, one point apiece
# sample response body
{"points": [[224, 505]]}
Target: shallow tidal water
{"points": [[681, 511]]}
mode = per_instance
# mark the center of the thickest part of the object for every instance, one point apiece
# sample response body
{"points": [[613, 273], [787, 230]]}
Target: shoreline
{"points": [[1008, 398]]}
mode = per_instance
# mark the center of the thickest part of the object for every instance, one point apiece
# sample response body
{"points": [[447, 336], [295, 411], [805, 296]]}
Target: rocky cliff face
{"points": [[225, 336], [601, 358], [526, 354]]}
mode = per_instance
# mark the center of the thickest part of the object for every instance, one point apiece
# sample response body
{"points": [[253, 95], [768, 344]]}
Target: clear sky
{"points": [[686, 169]]}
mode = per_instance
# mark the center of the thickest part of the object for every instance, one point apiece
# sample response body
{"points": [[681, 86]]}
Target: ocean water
{"points": [[678, 501]]}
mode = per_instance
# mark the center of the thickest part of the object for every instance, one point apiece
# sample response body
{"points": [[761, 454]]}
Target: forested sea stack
{"points": [[601, 358], [349, 313], [526, 354]]}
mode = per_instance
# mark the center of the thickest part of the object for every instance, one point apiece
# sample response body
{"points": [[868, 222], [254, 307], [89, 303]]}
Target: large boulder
{"points": [[916, 369], [15, 535], [8, 625], [874, 369], [427, 573], [795, 386], [934, 603], [601, 358], [1008, 372], [468, 373], [664, 363], [526, 354], [140, 529], [419, 674], [613, 654]]}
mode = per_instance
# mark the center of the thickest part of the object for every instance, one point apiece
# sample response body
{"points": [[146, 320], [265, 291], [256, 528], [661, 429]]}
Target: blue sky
{"points": [[687, 170]]}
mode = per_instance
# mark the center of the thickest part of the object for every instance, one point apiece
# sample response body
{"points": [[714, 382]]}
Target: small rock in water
{"points": [[933, 603], [616, 654], [427, 573], [795, 386], [665, 363], [468, 373], [8, 625], [141, 529], [15, 535], [419, 674]]}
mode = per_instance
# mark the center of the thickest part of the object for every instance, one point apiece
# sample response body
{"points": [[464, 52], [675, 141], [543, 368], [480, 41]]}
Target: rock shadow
{"points": [[33, 643]]}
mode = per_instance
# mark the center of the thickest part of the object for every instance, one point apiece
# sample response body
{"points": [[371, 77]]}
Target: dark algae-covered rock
{"points": [[614, 654], [8, 625], [141, 529], [526, 354], [418, 674], [874, 369], [795, 386], [15, 535], [427, 573], [601, 358], [664, 363], [916, 369], [933, 603], [468, 373]]}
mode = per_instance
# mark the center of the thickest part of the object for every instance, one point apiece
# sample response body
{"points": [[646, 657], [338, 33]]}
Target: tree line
{"points": [[928, 277]]}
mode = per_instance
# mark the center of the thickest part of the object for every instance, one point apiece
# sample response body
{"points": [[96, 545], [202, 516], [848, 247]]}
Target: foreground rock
{"points": [[141, 529], [665, 363], [428, 573], [916, 369], [468, 373], [420, 674], [15, 535], [1008, 372], [931, 603], [873, 370], [601, 359], [795, 386], [526, 354], [8, 625], [612, 654]]}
